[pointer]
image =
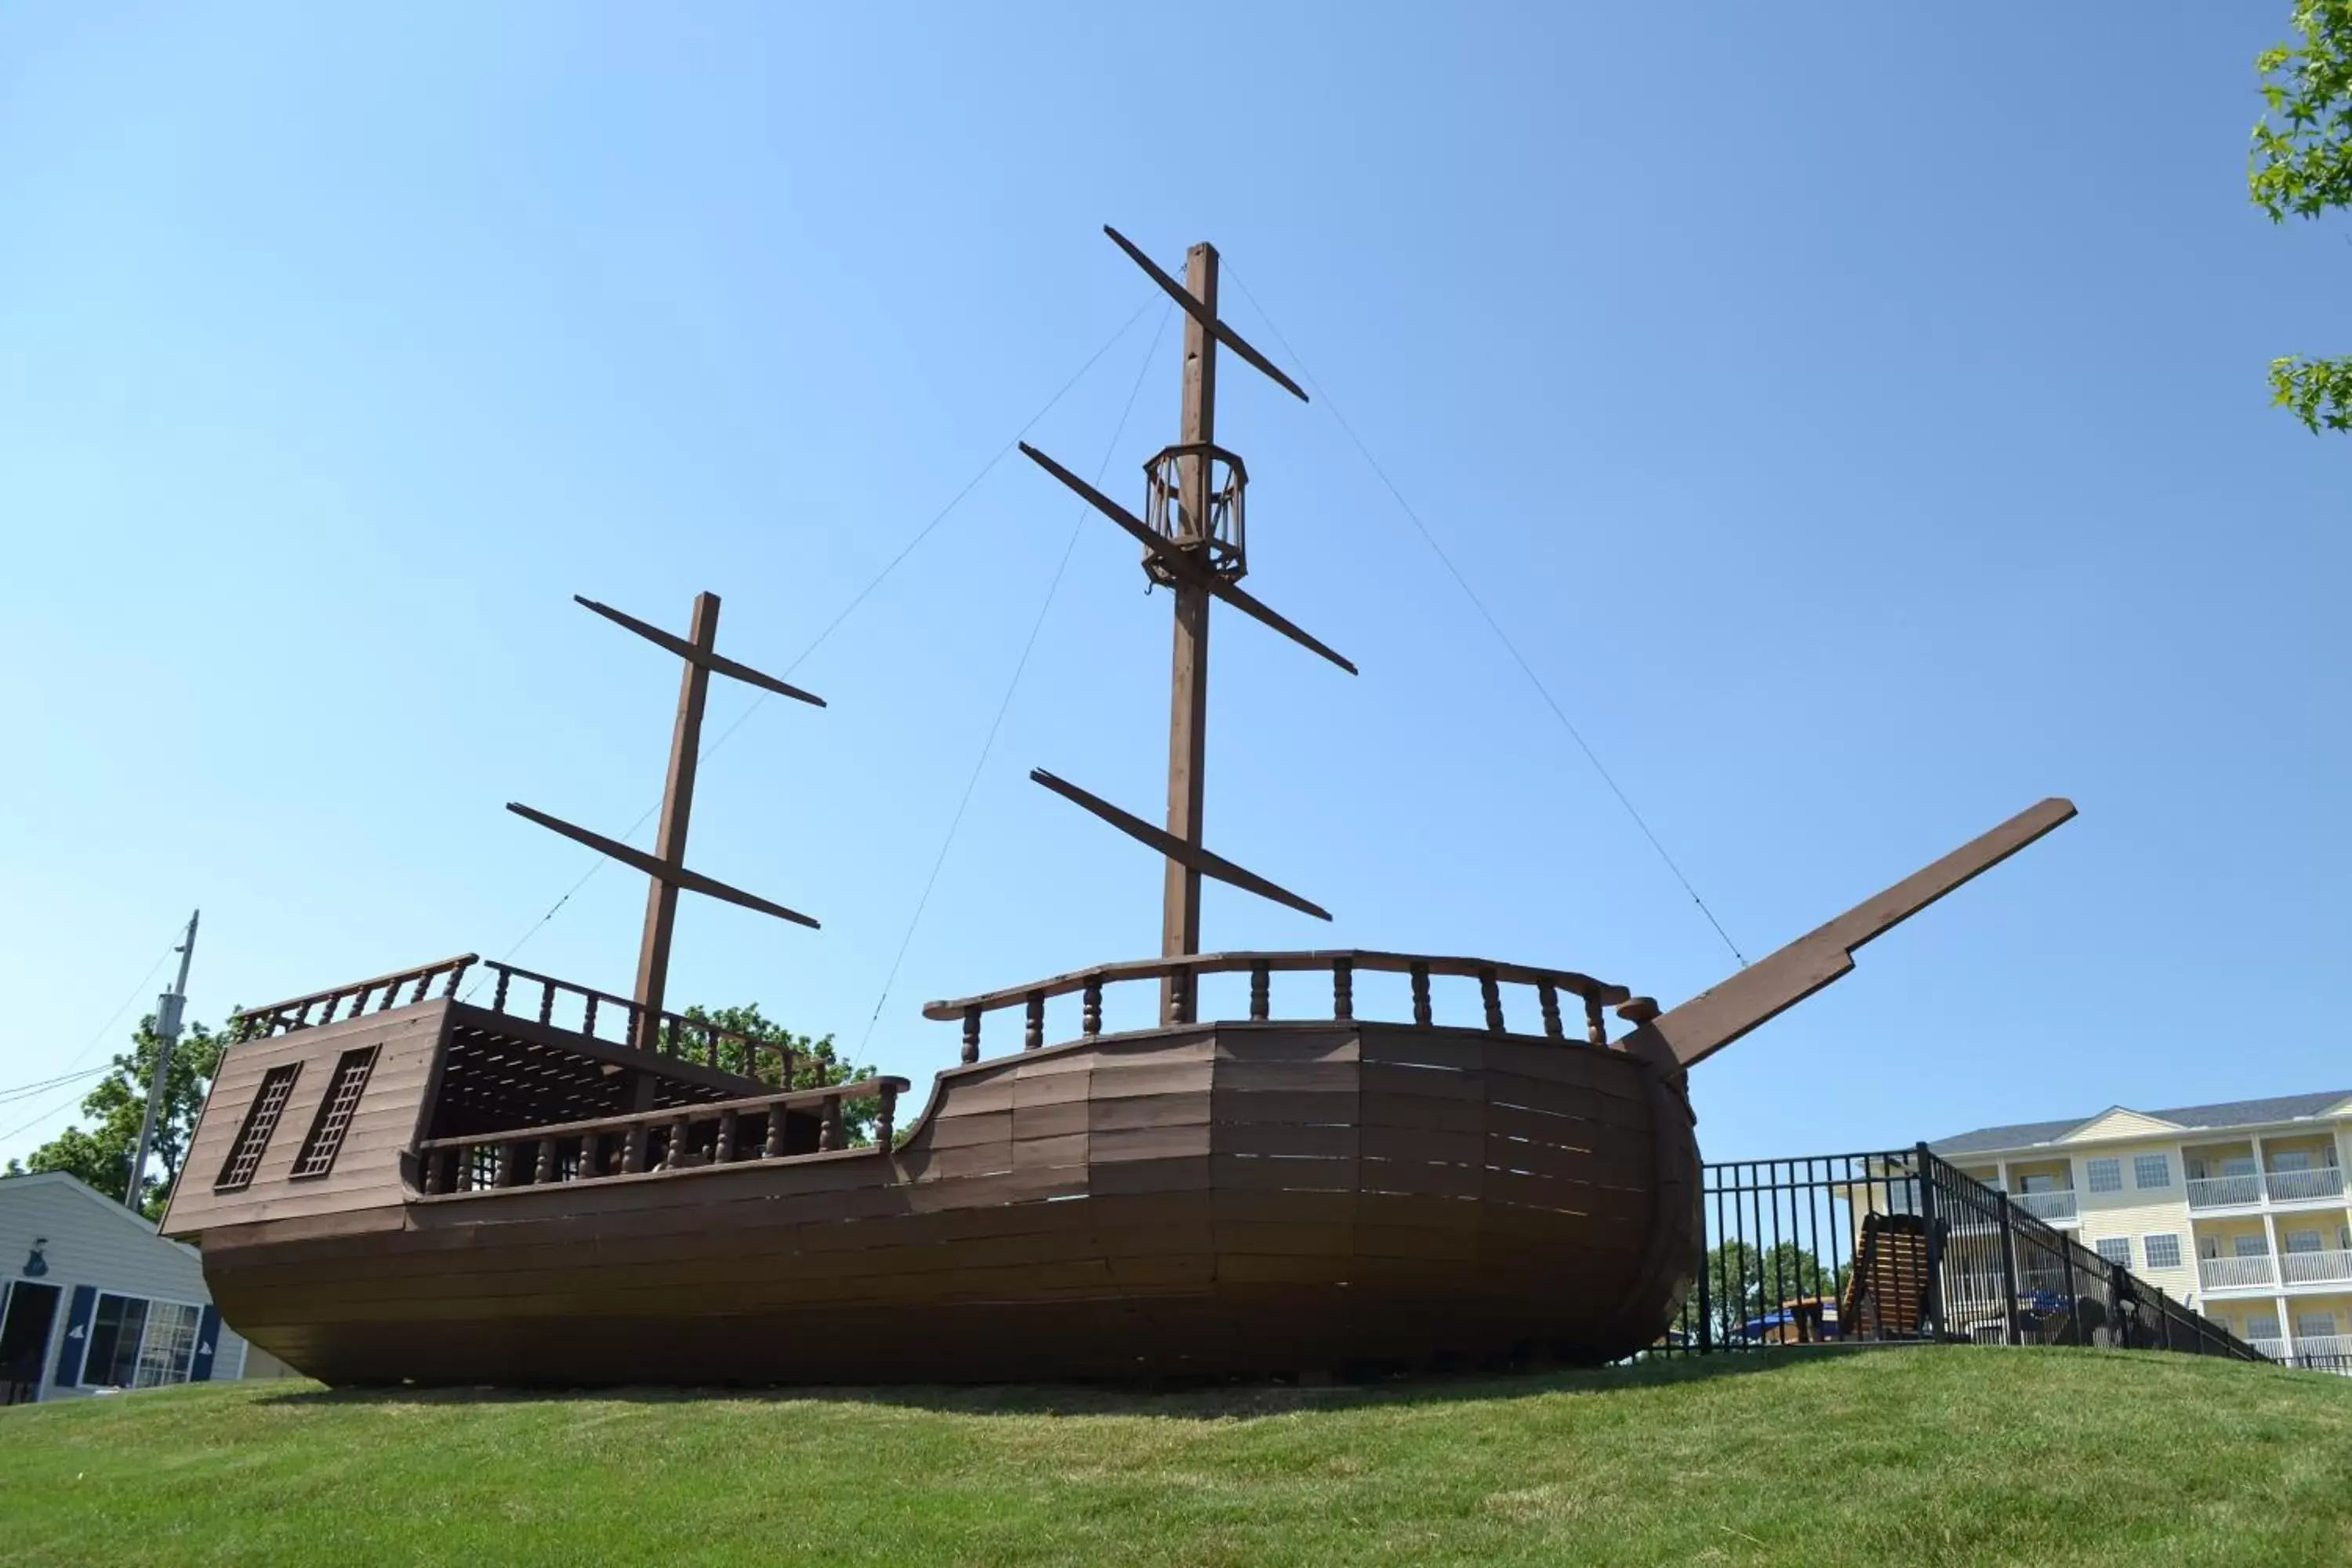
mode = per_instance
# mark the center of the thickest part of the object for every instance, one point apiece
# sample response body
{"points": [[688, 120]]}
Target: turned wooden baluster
{"points": [[1179, 994], [885, 1118], [674, 1151], [633, 1150], [1421, 995], [709, 1046], [390, 994], [1548, 995], [591, 1146], [432, 1172], [1491, 993], [1343, 989], [1090, 1019], [546, 1000], [543, 1172], [723, 1151], [1034, 1038], [498, 998], [774, 1147], [829, 1133], [588, 1016], [1596, 1027], [972, 1033], [784, 1067], [1261, 984]]}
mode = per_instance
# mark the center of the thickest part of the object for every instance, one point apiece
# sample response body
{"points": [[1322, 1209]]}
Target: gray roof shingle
{"points": [[2230, 1113]]}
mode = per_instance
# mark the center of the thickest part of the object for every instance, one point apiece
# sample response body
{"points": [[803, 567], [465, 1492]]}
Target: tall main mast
{"points": [[1195, 545]]}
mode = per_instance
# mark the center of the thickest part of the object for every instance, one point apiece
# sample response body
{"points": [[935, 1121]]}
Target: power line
{"points": [[1488, 616], [26, 1091], [971, 484], [1019, 665]]}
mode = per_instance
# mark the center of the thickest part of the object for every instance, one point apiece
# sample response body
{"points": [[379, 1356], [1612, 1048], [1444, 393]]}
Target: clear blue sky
{"points": [[1855, 412]]}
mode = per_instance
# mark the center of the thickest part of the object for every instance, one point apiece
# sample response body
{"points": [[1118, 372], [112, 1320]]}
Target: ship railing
{"points": [[599, 1015], [350, 1001], [1342, 966], [685, 1137]]}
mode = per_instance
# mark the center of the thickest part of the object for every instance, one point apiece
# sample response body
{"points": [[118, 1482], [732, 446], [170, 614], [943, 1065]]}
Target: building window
{"points": [[2161, 1251], [2249, 1243], [2115, 1249], [2151, 1171], [2314, 1325], [2107, 1175], [334, 1118], [2300, 1241], [138, 1343], [2262, 1325], [261, 1122], [2289, 1159]]}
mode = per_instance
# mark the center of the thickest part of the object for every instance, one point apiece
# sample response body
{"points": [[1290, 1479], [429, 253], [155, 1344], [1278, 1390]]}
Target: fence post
{"points": [[2118, 1336], [1932, 1288], [1705, 1306], [2007, 1276], [2073, 1301]]}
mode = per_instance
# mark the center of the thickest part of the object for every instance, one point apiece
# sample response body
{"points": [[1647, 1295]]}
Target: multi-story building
{"points": [[2238, 1209]]}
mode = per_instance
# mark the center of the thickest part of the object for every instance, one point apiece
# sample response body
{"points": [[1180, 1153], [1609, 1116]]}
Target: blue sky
{"points": [[1855, 413]]}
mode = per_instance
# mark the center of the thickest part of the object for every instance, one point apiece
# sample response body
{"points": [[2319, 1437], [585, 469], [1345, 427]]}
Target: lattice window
{"points": [[2161, 1251], [334, 1118], [261, 1122]]}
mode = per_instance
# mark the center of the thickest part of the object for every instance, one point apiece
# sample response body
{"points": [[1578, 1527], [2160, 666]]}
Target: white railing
{"points": [[2330, 1345], [2303, 1187], [2236, 1273], [2044, 1205], [2315, 1268], [2264, 1345], [2225, 1192]]}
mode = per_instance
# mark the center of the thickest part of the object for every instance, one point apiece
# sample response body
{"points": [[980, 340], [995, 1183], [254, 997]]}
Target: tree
{"points": [[101, 1154], [2301, 167], [1744, 1283], [816, 1064]]}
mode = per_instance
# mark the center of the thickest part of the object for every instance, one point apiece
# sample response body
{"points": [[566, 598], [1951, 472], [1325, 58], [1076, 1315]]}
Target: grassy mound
{"points": [[1953, 1456]]}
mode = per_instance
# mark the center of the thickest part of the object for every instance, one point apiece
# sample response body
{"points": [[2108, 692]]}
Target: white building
{"points": [[94, 1299], [2241, 1209]]}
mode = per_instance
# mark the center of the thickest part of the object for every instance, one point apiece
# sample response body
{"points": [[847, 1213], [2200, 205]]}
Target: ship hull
{"points": [[1212, 1201]]}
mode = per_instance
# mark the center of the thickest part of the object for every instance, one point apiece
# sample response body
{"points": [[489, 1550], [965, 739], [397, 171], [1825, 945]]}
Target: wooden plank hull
{"points": [[1202, 1201]]}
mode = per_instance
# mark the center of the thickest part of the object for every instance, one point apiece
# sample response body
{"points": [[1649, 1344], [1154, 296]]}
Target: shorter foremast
{"points": [[666, 865]]}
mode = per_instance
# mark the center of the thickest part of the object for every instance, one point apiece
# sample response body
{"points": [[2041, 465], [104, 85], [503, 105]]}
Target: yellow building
{"points": [[2239, 1209]]}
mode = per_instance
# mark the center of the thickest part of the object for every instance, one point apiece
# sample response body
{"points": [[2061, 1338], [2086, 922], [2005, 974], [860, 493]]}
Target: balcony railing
{"points": [[2323, 1347], [2304, 1186], [2225, 1192], [2268, 1346], [2236, 1273], [2315, 1267], [2056, 1206]]}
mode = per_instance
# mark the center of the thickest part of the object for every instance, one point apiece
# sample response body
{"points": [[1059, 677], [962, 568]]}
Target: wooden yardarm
{"points": [[666, 865], [1194, 543]]}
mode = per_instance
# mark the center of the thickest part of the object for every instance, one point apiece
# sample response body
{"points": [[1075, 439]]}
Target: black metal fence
{"points": [[1898, 1245]]}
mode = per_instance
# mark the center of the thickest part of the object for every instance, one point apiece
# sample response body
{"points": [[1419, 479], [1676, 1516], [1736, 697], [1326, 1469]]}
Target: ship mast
{"points": [[1194, 543], [666, 865]]}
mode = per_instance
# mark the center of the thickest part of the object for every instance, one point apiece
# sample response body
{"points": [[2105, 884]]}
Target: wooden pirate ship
{"points": [[540, 1182]]}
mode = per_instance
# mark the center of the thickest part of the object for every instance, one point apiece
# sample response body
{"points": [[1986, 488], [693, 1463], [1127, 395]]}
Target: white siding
{"points": [[94, 1241]]}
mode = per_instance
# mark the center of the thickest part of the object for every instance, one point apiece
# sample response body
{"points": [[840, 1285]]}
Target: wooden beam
{"points": [[1192, 857], [718, 663], [660, 871], [1204, 313], [1182, 566], [1713, 1019]]}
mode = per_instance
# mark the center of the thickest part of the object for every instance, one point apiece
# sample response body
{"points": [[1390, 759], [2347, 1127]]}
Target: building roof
{"points": [[2198, 1118], [31, 1179]]}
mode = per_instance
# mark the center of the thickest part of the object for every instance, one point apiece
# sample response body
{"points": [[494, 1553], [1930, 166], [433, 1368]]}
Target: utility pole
{"points": [[168, 1008]]}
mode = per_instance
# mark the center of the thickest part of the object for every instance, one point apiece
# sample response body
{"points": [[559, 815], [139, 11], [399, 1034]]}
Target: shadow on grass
{"points": [[1219, 1403]]}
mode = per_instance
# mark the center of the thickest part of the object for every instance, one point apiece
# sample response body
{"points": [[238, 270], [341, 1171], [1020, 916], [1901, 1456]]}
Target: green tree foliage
{"points": [[101, 1153], [815, 1063], [1745, 1282], [2301, 167]]}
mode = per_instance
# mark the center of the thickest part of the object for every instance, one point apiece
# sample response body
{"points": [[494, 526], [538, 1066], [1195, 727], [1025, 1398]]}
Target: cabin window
{"points": [[334, 1118], [261, 1122], [2107, 1175], [2152, 1171], [2115, 1249], [138, 1343], [2161, 1251]]}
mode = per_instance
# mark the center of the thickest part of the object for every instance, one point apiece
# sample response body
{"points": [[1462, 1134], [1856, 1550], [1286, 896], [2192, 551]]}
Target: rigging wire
{"points": [[601, 861], [1488, 616], [1019, 665]]}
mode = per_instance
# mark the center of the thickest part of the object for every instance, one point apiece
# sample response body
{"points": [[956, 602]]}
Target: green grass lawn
{"points": [[1953, 1456]]}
